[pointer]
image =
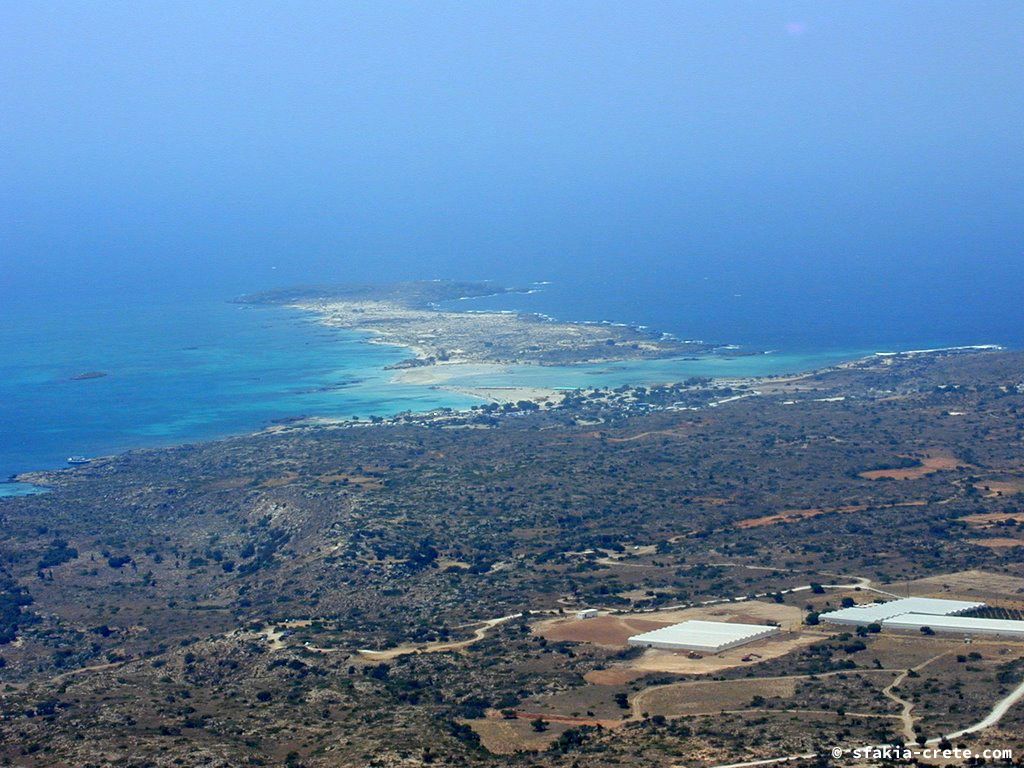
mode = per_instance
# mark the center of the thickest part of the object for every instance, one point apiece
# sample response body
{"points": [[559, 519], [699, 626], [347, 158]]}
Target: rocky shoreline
{"points": [[408, 315]]}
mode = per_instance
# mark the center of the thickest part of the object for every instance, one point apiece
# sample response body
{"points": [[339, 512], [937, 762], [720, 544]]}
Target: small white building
{"points": [[587, 613], [707, 636], [967, 626], [876, 613]]}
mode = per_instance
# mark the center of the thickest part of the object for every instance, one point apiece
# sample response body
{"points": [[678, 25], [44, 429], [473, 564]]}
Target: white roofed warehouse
{"points": [[707, 636], [966, 626], [876, 613]]}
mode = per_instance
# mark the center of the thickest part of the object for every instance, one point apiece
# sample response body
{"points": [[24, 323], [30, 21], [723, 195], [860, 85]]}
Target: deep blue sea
{"points": [[181, 368]]}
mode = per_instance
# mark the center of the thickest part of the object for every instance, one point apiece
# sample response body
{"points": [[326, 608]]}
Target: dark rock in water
{"points": [[89, 375], [289, 419], [325, 388]]}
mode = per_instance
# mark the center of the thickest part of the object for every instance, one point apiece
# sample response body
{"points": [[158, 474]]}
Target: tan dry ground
{"points": [[968, 585], [789, 617], [613, 676], [930, 463], [569, 719], [605, 631], [502, 395], [444, 563], [795, 515], [776, 646], [505, 737], [285, 479], [994, 488], [714, 501], [612, 631], [902, 651], [990, 518], [709, 697], [582, 705], [997, 543]]}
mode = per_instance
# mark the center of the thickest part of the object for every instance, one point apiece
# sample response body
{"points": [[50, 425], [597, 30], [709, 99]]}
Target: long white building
{"points": [[876, 613], [968, 626], [707, 636]]}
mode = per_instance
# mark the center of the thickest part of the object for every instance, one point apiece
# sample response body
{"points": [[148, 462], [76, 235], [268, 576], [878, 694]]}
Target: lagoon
{"points": [[96, 378]]}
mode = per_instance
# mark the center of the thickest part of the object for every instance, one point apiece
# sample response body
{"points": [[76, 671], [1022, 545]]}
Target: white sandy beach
{"points": [[444, 376]]}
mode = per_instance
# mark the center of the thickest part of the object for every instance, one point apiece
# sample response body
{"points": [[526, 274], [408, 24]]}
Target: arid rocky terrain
{"points": [[403, 593]]}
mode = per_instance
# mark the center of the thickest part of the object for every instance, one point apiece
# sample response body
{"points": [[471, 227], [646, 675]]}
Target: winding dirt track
{"points": [[907, 706], [402, 650]]}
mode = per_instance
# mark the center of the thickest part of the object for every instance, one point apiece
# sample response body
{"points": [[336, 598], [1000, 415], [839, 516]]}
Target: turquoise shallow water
{"points": [[11, 490], [179, 372], [648, 372], [192, 369]]}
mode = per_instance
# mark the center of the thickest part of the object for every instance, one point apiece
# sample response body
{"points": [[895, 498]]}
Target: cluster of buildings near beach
{"points": [[922, 614]]}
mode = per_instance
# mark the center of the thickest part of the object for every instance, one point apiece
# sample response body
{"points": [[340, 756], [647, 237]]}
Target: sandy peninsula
{"points": [[447, 344], [411, 315]]}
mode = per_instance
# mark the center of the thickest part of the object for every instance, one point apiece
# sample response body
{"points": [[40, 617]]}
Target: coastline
{"points": [[517, 399], [16, 489], [385, 389], [505, 355], [410, 315]]}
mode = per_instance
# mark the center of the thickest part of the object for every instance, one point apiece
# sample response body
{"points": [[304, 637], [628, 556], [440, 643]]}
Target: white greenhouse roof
{"points": [[877, 612], [703, 634], [965, 624]]}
